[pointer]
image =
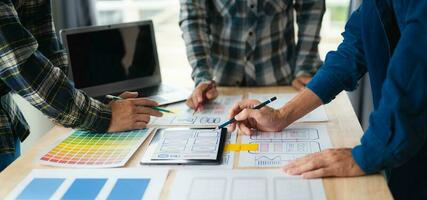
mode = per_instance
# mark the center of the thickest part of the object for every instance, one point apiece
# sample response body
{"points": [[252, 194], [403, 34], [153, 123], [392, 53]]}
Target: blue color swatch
{"points": [[41, 188], [83, 189], [129, 189]]}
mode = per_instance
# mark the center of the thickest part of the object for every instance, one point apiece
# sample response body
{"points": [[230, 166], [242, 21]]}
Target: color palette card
{"points": [[108, 184], [83, 149]]}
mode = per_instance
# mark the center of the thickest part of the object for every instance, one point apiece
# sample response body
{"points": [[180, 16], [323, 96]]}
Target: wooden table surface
{"points": [[343, 128]]}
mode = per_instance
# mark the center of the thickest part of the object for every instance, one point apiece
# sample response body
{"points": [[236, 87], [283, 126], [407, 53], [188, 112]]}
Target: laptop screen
{"points": [[113, 55]]}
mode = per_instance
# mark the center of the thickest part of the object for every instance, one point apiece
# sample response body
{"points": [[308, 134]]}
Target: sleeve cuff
{"points": [[357, 154], [96, 117], [202, 77], [371, 155], [325, 86], [303, 73], [99, 120]]}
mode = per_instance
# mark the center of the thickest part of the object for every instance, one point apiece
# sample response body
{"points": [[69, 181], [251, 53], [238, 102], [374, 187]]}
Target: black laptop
{"points": [[116, 58]]}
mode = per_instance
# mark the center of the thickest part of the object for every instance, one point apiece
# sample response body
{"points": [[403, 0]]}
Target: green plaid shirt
{"points": [[33, 65], [251, 42]]}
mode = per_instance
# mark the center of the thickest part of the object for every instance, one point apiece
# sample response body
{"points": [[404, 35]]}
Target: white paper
{"points": [[156, 177], [278, 148], [243, 185], [227, 159], [317, 115], [212, 114]]}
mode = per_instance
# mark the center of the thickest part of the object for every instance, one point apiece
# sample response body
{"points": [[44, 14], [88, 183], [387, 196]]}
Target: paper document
{"points": [[109, 184], [278, 148], [243, 185], [212, 114], [317, 115], [82, 149]]}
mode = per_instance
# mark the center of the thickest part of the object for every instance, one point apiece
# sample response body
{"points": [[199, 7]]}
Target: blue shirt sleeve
{"points": [[397, 128], [344, 67]]}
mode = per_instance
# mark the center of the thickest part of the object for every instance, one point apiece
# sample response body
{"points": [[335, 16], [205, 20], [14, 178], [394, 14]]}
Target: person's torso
{"points": [[252, 41], [382, 25]]}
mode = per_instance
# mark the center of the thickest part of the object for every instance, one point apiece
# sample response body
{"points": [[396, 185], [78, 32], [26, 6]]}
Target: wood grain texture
{"points": [[343, 128]]}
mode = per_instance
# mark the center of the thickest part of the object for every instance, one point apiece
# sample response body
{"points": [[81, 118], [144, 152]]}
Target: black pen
{"points": [[259, 106]]}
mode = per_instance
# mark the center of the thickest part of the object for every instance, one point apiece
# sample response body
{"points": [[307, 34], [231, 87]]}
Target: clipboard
{"points": [[185, 146]]}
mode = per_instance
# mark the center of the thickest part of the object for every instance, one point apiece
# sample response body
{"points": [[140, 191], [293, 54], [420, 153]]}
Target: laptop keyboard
{"points": [[155, 90], [143, 92]]}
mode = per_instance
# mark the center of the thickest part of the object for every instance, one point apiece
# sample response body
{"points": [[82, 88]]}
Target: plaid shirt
{"points": [[251, 42], [32, 65]]}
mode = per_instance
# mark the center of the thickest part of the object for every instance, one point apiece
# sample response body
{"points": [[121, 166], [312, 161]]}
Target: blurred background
{"points": [[171, 48]]}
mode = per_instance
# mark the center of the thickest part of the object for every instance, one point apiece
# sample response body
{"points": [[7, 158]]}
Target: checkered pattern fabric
{"points": [[251, 42], [33, 65]]}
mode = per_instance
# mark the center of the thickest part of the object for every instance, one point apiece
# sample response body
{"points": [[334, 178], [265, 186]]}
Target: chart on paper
{"points": [[243, 185], [317, 115], [212, 114], [278, 148], [109, 184], [83, 149]]}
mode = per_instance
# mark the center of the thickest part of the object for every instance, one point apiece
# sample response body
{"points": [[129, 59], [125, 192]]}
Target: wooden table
{"points": [[343, 128]]}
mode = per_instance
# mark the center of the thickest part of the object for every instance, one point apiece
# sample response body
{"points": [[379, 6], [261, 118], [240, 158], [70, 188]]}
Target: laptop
{"points": [[116, 58]]}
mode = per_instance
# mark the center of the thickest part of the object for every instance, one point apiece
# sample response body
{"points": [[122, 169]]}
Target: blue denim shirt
{"points": [[393, 52]]}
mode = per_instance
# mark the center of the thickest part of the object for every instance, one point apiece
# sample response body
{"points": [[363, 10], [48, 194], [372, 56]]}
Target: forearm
{"points": [[302, 104], [48, 89], [27, 71]]}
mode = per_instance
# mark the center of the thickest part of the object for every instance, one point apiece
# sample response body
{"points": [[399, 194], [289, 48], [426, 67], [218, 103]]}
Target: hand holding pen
{"points": [[129, 112], [111, 97], [252, 114], [204, 92]]}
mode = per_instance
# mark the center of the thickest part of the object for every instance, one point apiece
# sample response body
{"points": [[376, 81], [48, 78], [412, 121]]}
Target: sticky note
{"points": [[241, 147]]}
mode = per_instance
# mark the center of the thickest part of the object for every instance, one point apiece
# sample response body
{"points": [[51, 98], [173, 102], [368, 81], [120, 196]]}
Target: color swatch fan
{"points": [[95, 150]]}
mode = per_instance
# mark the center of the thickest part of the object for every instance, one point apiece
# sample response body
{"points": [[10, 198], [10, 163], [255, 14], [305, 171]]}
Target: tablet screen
{"points": [[187, 146]]}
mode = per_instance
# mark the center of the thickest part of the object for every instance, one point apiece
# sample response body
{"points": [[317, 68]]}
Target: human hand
{"points": [[205, 91], [301, 82], [264, 119], [328, 163], [131, 113]]}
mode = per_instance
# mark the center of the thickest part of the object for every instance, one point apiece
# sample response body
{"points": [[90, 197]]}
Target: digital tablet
{"points": [[189, 146]]}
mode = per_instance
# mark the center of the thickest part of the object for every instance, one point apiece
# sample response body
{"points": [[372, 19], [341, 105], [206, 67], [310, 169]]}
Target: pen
{"points": [[259, 106], [204, 97], [152, 107]]}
